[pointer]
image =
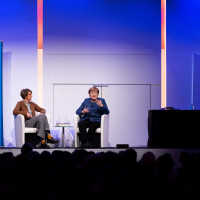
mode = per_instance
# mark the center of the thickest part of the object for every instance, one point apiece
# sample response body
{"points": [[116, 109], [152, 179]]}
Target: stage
{"points": [[175, 153]]}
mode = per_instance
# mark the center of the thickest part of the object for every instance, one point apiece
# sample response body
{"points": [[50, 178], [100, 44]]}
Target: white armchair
{"points": [[21, 130], [103, 130]]}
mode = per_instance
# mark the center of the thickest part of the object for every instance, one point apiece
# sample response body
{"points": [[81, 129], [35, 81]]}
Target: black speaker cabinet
{"points": [[174, 129]]}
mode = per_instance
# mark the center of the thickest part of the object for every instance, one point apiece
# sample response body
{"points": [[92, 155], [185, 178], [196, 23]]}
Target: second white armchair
{"points": [[103, 130]]}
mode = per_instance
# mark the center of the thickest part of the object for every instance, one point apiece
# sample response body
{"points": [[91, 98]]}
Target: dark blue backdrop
{"points": [[183, 41]]}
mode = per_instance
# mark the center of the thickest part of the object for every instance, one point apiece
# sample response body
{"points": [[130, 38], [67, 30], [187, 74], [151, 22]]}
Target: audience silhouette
{"points": [[31, 174]]}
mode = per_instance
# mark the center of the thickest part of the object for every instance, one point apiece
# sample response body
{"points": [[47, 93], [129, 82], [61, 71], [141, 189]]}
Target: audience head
{"points": [[26, 148], [165, 164]]}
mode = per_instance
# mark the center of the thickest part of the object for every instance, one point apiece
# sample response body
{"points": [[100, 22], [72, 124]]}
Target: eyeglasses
{"points": [[93, 92]]}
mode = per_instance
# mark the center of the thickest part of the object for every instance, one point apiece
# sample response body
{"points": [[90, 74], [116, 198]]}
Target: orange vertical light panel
{"points": [[163, 55], [40, 23], [40, 50]]}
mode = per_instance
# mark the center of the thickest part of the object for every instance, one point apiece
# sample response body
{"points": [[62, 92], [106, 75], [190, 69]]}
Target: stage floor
{"points": [[175, 153]]}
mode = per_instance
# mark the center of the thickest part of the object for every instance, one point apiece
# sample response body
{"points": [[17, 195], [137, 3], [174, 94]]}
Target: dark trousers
{"points": [[85, 136]]}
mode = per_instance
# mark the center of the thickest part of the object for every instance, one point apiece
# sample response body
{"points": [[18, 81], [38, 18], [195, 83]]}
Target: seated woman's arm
{"points": [[105, 107], [39, 109], [17, 110], [79, 110]]}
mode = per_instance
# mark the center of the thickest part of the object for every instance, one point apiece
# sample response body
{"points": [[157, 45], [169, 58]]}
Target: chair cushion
{"points": [[31, 130], [98, 130]]}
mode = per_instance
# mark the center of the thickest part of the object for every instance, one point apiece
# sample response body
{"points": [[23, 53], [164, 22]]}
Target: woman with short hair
{"points": [[90, 113], [27, 108]]}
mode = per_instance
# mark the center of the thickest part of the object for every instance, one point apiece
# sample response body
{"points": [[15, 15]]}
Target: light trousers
{"points": [[40, 122]]}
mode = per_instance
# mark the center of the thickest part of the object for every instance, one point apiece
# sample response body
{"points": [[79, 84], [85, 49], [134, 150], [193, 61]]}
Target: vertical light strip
{"points": [[1, 93], [40, 77], [40, 50], [163, 55]]}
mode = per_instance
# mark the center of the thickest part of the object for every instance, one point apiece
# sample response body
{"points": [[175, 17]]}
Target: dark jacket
{"points": [[95, 111]]}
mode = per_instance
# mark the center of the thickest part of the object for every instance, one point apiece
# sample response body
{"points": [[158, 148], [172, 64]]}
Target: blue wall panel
{"points": [[183, 41]]}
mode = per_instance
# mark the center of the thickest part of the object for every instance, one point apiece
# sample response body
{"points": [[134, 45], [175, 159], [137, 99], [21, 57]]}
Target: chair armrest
{"points": [[76, 120], [104, 130], [19, 129]]}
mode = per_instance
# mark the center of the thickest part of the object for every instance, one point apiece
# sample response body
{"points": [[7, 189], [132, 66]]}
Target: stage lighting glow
{"points": [[40, 23], [40, 51], [1, 95], [163, 55], [40, 77]]}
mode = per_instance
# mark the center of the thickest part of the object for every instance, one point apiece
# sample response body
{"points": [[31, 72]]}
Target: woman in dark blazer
{"points": [[90, 113]]}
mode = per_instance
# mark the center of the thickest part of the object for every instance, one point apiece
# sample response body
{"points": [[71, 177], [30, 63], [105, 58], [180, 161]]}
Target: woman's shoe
{"points": [[52, 140]]}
